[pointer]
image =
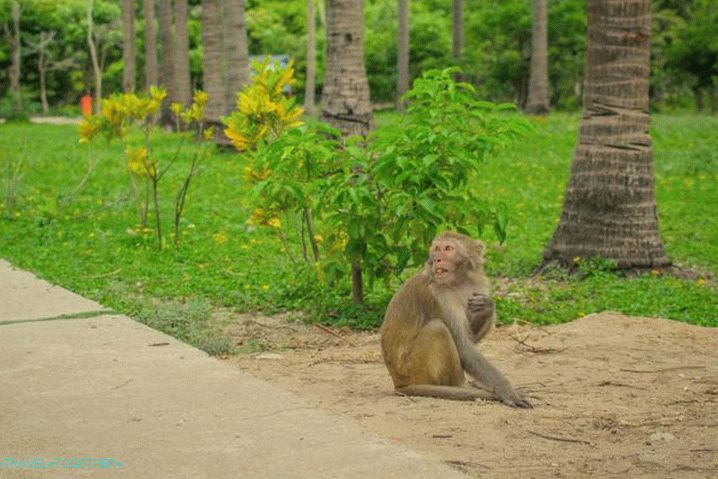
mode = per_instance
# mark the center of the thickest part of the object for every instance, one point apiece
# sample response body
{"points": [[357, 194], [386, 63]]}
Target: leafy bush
{"points": [[376, 202], [124, 113]]}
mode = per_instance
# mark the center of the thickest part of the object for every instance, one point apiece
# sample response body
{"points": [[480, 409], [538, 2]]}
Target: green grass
{"points": [[94, 246]]}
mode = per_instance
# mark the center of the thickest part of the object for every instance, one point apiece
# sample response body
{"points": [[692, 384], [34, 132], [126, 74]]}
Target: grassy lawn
{"points": [[94, 246]]}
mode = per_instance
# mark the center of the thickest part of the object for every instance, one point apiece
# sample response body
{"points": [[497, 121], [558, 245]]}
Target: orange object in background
{"points": [[86, 105]]}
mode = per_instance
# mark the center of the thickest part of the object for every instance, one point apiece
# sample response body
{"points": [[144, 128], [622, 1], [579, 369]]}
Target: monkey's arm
{"points": [[477, 365]]}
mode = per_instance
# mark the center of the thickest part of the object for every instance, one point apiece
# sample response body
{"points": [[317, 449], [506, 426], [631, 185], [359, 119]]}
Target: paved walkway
{"points": [[84, 393]]}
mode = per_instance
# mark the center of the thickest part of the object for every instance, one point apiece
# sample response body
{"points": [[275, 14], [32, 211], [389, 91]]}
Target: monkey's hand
{"points": [[507, 395], [480, 302]]}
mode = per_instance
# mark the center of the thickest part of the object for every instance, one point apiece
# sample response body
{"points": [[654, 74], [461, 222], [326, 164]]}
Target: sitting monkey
{"points": [[434, 320]]}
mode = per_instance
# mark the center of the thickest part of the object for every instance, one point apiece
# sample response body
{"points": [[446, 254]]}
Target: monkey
{"points": [[433, 321]]}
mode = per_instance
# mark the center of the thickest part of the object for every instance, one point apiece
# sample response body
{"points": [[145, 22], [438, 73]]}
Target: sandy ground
{"points": [[614, 396]]}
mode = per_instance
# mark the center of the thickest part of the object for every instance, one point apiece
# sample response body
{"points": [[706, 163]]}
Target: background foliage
{"points": [[496, 54]]}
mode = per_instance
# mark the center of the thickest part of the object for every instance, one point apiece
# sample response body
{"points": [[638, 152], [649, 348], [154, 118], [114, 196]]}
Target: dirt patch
{"points": [[614, 396]]}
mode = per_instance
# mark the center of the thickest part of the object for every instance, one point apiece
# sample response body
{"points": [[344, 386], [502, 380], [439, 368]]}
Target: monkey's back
{"points": [[409, 309]]}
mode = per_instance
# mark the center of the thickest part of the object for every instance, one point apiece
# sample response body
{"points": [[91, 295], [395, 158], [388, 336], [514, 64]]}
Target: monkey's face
{"points": [[445, 260]]}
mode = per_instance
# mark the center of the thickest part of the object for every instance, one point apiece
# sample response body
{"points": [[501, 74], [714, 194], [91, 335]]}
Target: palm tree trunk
{"points": [[345, 97], [403, 53], [167, 70], [311, 73], [236, 51], [212, 65], [183, 85], [610, 205], [537, 103], [150, 45], [16, 55], [457, 31], [128, 45]]}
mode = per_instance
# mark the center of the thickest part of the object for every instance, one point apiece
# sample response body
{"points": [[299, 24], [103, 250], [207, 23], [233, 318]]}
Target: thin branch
{"points": [[676, 368], [333, 333], [561, 439]]}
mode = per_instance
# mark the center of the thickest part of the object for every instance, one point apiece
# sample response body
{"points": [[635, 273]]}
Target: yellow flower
{"points": [[138, 163], [700, 282], [577, 259], [199, 98], [265, 287], [176, 108], [89, 128], [261, 217], [251, 175], [655, 272], [208, 133], [219, 237]]}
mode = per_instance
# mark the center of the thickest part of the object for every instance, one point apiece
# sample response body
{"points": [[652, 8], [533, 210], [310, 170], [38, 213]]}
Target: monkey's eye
{"points": [[448, 247]]}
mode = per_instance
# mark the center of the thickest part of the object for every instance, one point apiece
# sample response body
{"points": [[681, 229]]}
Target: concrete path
{"points": [[102, 396]]}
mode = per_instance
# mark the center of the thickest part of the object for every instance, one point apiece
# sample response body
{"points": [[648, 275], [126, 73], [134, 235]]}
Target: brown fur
{"points": [[433, 321]]}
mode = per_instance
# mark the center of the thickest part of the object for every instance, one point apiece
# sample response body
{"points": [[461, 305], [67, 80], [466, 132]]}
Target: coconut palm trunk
{"points": [[403, 53], [212, 64], [236, 51], [128, 45], [183, 85], [457, 29], [610, 205], [167, 70], [537, 102], [310, 77], [345, 96], [151, 76]]}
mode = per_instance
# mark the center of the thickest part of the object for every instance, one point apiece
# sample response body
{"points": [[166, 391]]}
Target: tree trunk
{"points": [[128, 45], [457, 30], [42, 61], [16, 56], [537, 103], [93, 56], [610, 207], [345, 97], [236, 51], [403, 53], [311, 73], [150, 45], [183, 85], [167, 71], [212, 60]]}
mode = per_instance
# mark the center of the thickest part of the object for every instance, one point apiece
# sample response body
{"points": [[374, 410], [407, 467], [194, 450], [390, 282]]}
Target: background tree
{"points": [[457, 29], [15, 48], [183, 86], [537, 102], [345, 97], [212, 65], [151, 76], [167, 71], [403, 53], [128, 45], [236, 54], [45, 63], [610, 207], [309, 82], [92, 43]]}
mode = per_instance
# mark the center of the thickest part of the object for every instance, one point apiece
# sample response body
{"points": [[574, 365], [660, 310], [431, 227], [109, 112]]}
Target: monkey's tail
{"points": [[456, 393]]}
